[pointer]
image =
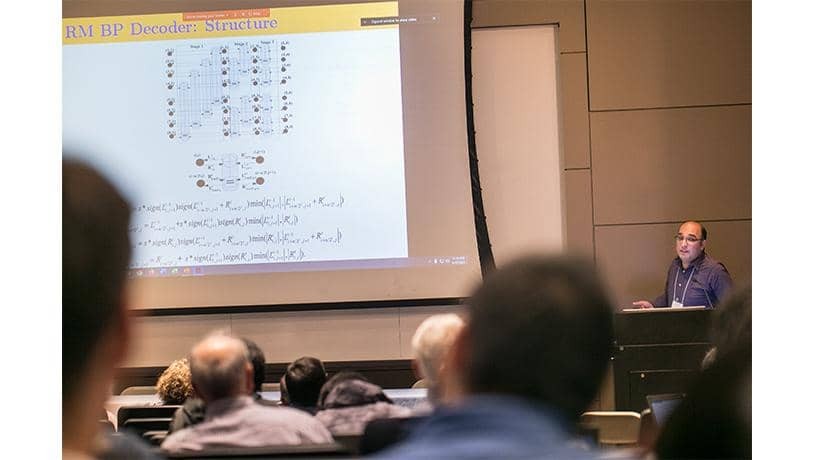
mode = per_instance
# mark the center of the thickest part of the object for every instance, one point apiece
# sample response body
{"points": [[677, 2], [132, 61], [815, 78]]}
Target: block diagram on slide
{"points": [[231, 171], [228, 89]]}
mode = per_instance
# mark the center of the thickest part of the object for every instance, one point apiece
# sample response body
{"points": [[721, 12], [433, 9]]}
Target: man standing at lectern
{"points": [[694, 278]]}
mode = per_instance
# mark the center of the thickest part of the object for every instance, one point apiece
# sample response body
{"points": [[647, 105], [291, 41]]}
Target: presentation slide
{"points": [[302, 153]]}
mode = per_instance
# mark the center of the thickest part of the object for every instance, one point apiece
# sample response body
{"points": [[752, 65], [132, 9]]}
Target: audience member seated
{"points": [[174, 385], [301, 384], [123, 445], [193, 409], [714, 419], [348, 402], [383, 433], [95, 326], [190, 413], [527, 363], [730, 325], [223, 377], [431, 343], [258, 360]]}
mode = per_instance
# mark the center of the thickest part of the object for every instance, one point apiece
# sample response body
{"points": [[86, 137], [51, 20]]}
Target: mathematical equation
{"points": [[276, 202], [219, 258], [276, 238], [291, 246], [212, 232], [272, 220]]}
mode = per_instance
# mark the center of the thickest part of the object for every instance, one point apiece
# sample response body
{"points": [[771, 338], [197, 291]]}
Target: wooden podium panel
{"points": [[657, 351]]}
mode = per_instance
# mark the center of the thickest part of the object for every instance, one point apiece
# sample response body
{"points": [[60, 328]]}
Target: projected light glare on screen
{"points": [[265, 147]]}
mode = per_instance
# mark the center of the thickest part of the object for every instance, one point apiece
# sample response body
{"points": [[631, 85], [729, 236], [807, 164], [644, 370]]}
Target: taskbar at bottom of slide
{"points": [[318, 265]]}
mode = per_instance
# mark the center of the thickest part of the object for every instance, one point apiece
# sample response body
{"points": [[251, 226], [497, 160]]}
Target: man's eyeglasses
{"points": [[689, 239]]}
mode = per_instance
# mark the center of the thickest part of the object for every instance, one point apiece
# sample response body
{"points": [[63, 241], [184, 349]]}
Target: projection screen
{"points": [[278, 153]]}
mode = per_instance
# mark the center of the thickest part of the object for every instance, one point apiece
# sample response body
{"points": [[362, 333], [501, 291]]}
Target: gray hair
{"points": [[432, 340]]}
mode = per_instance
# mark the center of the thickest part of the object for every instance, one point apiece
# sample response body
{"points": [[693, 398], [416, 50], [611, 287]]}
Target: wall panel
{"points": [[578, 208], [668, 53], [158, 340], [334, 335], [671, 165], [574, 105]]}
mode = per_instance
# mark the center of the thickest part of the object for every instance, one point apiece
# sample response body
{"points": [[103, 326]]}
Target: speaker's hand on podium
{"points": [[642, 304]]}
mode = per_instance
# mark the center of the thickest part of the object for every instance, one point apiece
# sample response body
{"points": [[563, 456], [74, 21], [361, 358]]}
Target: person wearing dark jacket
{"points": [[348, 402]]}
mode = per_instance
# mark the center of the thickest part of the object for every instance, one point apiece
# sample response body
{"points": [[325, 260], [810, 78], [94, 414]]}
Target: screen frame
{"points": [[486, 261]]}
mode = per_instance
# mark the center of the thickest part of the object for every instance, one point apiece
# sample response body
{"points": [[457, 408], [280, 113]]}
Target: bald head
{"points": [[220, 368], [692, 226]]}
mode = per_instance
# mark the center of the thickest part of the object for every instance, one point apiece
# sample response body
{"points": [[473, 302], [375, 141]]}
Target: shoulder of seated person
{"points": [[288, 411]]}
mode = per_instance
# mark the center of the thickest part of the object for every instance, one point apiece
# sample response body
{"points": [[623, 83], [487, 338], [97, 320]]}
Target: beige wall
{"points": [[656, 128], [333, 335]]}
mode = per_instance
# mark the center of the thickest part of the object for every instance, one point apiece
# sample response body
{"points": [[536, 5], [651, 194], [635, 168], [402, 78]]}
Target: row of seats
{"points": [[151, 389], [619, 428], [152, 423]]}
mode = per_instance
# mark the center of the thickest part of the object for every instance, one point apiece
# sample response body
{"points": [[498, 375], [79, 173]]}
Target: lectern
{"points": [[657, 351]]}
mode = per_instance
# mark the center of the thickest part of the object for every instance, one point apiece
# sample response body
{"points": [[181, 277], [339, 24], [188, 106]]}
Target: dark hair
{"points": [[541, 328], [284, 393], [258, 360], [95, 254], [304, 377], [335, 380], [350, 391], [731, 322]]}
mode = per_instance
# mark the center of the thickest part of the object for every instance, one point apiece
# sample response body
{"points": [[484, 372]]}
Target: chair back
{"points": [[140, 426], [139, 390], [613, 427], [126, 413], [154, 437], [270, 387], [351, 442], [421, 383], [106, 426], [333, 450]]}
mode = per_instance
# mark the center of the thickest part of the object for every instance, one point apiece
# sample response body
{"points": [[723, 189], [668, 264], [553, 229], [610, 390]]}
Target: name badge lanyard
{"points": [[674, 292]]}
